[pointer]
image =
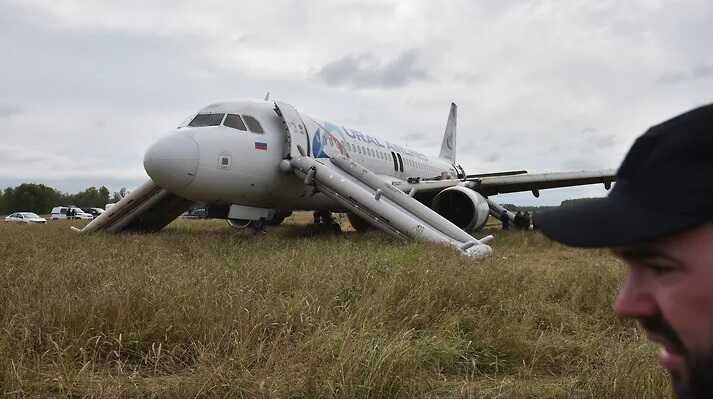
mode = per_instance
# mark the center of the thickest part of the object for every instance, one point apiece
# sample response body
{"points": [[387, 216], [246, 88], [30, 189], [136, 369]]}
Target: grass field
{"points": [[199, 310]]}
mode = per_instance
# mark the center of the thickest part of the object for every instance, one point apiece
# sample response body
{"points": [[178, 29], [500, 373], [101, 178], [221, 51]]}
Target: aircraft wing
{"points": [[537, 181], [491, 185]]}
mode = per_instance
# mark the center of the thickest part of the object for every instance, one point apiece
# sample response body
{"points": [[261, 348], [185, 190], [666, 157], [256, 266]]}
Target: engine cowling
{"points": [[463, 207]]}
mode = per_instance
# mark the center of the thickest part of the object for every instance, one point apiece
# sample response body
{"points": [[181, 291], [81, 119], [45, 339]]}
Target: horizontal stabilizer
{"points": [[507, 173]]}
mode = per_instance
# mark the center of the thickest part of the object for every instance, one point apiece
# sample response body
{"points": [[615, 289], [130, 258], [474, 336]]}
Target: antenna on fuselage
{"points": [[267, 96]]}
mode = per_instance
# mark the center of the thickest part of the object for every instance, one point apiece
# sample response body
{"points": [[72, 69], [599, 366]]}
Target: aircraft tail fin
{"points": [[448, 147]]}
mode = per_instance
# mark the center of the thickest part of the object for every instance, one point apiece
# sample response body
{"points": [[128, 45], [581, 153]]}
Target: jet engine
{"points": [[463, 207]]}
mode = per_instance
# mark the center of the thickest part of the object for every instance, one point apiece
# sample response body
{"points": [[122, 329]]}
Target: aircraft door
{"points": [[295, 130]]}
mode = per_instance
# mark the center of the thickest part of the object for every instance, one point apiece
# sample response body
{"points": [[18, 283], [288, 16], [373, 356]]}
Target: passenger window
{"points": [[202, 120], [253, 124], [234, 121]]}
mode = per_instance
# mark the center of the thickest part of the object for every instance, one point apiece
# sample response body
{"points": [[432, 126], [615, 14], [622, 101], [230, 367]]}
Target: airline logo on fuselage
{"points": [[328, 136], [324, 143]]}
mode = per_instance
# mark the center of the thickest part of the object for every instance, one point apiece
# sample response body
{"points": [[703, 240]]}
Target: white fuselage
{"points": [[226, 165]]}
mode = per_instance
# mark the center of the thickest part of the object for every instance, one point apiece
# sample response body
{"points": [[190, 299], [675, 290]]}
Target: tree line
{"points": [[40, 199]]}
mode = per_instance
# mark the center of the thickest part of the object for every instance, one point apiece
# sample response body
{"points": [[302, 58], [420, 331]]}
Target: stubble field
{"points": [[200, 310]]}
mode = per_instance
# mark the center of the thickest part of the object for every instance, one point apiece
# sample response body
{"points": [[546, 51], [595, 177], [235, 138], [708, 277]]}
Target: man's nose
{"points": [[635, 300]]}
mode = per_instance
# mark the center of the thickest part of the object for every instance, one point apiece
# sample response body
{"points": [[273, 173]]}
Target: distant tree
{"points": [[89, 198], [119, 195], [104, 196], [41, 199], [7, 200], [3, 209], [30, 197]]}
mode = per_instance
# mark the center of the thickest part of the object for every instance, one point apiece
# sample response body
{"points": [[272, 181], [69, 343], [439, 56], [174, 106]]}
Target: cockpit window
{"points": [[234, 121], [253, 124], [206, 120]]}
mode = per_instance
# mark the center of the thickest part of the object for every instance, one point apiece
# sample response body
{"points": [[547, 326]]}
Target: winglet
{"points": [[448, 147]]}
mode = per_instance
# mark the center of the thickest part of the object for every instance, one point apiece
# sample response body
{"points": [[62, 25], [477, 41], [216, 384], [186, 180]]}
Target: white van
{"points": [[60, 212]]}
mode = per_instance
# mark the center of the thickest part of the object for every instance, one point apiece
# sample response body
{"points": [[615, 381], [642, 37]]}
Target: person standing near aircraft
{"points": [[505, 220], [658, 219]]}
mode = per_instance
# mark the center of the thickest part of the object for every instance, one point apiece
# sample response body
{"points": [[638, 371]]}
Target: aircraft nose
{"points": [[172, 161]]}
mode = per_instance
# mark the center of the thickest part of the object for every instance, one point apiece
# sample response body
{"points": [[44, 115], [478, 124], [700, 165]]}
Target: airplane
{"points": [[253, 162]]}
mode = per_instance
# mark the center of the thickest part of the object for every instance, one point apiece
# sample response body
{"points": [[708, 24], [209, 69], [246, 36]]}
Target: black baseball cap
{"points": [[664, 186]]}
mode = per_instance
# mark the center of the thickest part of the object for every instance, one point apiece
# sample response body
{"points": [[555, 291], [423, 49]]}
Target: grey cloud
{"points": [[602, 141], [494, 157], [7, 110], [38, 163], [579, 164], [467, 147], [468, 78], [414, 136], [366, 71], [702, 71]]}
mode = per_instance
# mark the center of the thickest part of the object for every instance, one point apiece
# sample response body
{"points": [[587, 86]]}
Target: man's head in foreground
{"points": [[658, 218]]}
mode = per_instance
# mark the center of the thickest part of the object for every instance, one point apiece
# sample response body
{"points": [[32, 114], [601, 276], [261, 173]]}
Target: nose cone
{"points": [[172, 162]]}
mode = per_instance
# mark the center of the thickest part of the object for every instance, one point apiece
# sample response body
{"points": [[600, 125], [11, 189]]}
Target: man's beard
{"points": [[698, 383]]}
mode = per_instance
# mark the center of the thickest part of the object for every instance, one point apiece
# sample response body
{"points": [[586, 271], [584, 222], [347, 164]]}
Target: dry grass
{"points": [[199, 310]]}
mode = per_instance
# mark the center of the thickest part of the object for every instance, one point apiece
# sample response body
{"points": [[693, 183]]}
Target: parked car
{"points": [[93, 211], [25, 217], [195, 213], [60, 212]]}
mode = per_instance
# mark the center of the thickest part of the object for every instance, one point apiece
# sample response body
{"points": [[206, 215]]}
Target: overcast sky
{"points": [[86, 87]]}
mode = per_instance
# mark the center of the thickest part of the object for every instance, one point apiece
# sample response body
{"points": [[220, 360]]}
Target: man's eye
{"points": [[659, 269]]}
